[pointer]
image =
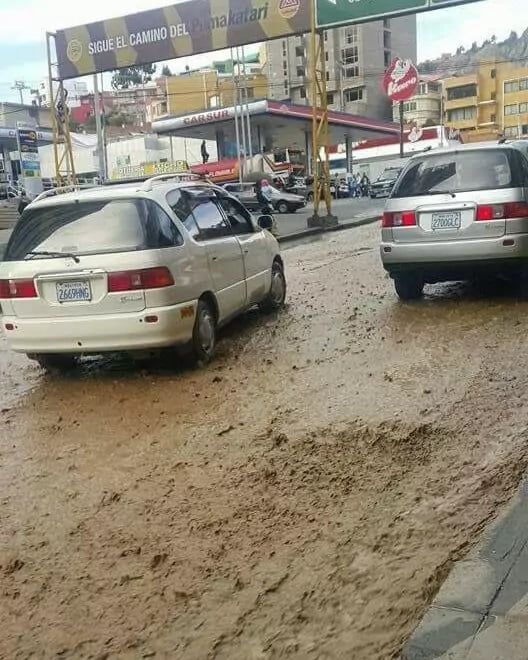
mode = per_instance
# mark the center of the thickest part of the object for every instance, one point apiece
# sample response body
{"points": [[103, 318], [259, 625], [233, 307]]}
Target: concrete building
{"points": [[356, 57], [425, 107], [211, 87], [489, 103], [75, 89]]}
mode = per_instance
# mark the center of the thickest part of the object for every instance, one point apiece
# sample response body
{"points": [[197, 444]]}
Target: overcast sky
{"points": [[24, 22]]}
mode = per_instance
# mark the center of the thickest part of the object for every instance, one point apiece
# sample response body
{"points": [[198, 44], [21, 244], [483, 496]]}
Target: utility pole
{"points": [[20, 85]]}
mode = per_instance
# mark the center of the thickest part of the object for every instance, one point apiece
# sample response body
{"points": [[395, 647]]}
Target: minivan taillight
{"points": [[487, 212], [146, 278], [399, 219], [23, 288]]}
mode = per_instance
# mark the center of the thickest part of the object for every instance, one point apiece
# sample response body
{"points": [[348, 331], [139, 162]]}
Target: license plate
{"points": [[73, 291], [446, 220]]}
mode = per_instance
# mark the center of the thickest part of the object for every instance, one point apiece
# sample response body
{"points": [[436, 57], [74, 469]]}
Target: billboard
{"points": [[178, 30], [400, 80]]}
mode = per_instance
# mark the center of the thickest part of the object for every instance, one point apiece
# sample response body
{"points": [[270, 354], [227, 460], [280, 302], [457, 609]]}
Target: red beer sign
{"points": [[400, 80]]}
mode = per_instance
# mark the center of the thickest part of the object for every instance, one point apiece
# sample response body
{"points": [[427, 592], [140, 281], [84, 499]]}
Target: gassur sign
{"points": [[178, 30], [400, 80]]}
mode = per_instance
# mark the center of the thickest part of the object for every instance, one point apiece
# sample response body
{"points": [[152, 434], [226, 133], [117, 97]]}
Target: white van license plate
{"points": [[74, 291], [446, 220]]}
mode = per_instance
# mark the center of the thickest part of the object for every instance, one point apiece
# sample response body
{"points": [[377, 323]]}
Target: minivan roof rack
{"points": [[180, 176], [62, 190]]}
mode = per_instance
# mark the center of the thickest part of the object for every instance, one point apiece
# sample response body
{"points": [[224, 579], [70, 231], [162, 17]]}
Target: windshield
{"points": [[91, 227], [390, 175], [457, 172]]}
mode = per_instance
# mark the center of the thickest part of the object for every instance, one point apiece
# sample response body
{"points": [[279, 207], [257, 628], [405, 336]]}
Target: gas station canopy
{"points": [[275, 124]]}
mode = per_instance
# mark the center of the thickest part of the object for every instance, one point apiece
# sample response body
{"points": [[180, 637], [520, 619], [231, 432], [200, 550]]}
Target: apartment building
{"points": [[489, 103], [425, 107], [356, 58]]}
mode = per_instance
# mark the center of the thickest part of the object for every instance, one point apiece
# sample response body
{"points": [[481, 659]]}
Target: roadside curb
{"points": [[481, 610], [315, 231]]}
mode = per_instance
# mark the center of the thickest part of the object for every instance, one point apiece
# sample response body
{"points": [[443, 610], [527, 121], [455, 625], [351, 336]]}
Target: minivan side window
{"points": [[168, 234], [209, 219], [238, 217]]}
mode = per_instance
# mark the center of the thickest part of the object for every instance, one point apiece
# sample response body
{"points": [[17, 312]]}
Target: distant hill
{"points": [[464, 61]]}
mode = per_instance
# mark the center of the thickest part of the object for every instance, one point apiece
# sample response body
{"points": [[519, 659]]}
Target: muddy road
{"points": [[302, 497]]}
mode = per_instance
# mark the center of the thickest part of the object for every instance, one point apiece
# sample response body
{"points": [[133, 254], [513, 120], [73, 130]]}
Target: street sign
{"points": [[400, 80], [340, 12]]}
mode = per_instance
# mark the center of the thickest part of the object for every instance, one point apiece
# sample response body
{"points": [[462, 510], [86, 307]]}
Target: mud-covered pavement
{"points": [[302, 497]]}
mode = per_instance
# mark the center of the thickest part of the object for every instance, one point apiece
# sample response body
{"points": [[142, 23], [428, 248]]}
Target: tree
{"points": [[133, 76], [166, 70]]}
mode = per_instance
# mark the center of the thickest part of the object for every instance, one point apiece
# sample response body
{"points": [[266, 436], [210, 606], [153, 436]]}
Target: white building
{"points": [[126, 153], [75, 88]]}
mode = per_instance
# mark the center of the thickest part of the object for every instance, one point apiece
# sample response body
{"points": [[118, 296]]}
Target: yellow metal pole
{"points": [[320, 134]]}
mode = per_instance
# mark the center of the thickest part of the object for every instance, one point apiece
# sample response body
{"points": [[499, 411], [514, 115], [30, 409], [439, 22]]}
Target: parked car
{"points": [[281, 201], [383, 185], [132, 268], [456, 215]]}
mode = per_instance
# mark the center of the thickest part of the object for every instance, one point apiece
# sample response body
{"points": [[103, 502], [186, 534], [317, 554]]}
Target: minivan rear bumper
{"points": [[155, 327], [403, 256]]}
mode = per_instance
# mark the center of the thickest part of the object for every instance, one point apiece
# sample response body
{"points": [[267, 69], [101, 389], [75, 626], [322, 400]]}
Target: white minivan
{"points": [[134, 267]]}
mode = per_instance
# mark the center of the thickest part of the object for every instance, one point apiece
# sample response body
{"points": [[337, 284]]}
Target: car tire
{"points": [[204, 332], [408, 287], [56, 362], [277, 293], [283, 207], [310, 197]]}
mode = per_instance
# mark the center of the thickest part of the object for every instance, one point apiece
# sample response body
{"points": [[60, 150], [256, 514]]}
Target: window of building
{"points": [[511, 109], [493, 118], [524, 129], [523, 108], [493, 96], [353, 94], [250, 92], [352, 71], [461, 114], [350, 55], [326, 56], [327, 76], [351, 35], [299, 51], [433, 87], [493, 73], [511, 86], [302, 92], [387, 58], [511, 132], [330, 98], [523, 84], [422, 89], [300, 71], [410, 106], [462, 92]]}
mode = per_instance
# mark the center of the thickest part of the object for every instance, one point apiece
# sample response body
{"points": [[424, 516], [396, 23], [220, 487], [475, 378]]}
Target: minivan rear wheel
{"points": [[204, 333], [408, 286], [55, 362]]}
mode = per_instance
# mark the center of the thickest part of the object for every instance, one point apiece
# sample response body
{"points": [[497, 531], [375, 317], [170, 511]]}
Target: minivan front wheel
{"points": [[408, 286], [204, 333]]}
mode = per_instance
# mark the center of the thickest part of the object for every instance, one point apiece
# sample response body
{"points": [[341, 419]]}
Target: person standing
{"points": [[204, 152]]}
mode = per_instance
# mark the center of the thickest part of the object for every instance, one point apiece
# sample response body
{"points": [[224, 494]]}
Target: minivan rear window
{"points": [[459, 171], [92, 227]]}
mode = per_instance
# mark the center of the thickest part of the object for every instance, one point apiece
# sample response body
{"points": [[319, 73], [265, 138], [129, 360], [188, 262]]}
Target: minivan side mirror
{"points": [[265, 222]]}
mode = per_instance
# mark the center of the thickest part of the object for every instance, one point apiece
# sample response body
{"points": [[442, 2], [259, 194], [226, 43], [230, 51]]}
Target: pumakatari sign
{"points": [[341, 12], [187, 28]]}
